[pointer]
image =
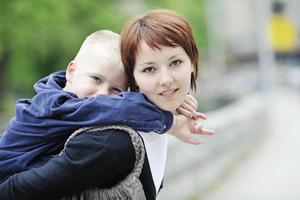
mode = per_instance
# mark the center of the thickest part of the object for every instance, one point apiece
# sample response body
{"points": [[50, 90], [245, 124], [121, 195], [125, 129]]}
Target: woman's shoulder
{"points": [[105, 142]]}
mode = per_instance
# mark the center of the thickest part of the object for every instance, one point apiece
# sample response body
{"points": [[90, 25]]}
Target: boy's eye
{"points": [[116, 91], [176, 62], [97, 79], [148, 69]]}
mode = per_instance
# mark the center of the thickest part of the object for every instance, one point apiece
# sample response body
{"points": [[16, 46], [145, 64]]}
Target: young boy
{"points": [[66, 101]]}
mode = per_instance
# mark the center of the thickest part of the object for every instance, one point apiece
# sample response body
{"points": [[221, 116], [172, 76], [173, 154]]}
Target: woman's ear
{"points": [[70, 71], [193, 71]]}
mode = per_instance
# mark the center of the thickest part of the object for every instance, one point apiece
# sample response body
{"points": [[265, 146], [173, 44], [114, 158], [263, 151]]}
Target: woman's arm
{"points": [[89, 160]]}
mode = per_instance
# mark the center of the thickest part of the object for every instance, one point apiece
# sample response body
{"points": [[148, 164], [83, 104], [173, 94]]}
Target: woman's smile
{"points": [[168, 94]]}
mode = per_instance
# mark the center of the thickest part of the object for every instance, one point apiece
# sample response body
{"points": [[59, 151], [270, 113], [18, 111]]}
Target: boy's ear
{"points": [[70, 70]]}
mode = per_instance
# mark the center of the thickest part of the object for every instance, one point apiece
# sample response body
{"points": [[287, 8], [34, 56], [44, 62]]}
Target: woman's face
{"points": [[164, 75]]}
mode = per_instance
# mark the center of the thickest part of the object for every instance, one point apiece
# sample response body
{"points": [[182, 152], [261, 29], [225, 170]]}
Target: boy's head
{"points": [[97, 68]]}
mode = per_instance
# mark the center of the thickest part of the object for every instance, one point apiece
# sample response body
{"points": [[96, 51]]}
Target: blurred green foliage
{"points": [[38, 37], [41, 36]]}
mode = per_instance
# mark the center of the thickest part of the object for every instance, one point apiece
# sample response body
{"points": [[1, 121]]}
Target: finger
{"points": [[204, 131], [191, 101], [188, 107], [196, 115], [199, 115], [191, 98], [184, 112], [198, 129], [195, 141]]}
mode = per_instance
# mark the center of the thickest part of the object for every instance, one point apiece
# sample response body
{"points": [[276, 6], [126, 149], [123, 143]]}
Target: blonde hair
{"points": [[108, 40]]}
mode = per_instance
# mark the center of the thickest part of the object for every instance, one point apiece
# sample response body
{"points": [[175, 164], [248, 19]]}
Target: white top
{"points": [[156, 147]]}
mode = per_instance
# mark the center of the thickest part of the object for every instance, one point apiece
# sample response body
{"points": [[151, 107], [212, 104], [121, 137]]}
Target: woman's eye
{"points": [[97, 79], [176, 62], [149, 69]]}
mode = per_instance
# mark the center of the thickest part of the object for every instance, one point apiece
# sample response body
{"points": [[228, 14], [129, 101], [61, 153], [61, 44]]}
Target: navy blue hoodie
{"points": [[42, 124]]}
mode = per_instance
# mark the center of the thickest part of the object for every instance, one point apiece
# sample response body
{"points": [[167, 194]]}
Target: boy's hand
{"points": [[189, 108], [184, 128]]}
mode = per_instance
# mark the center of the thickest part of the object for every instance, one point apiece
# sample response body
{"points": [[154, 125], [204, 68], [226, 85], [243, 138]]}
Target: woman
{"points": [[160, 58]]}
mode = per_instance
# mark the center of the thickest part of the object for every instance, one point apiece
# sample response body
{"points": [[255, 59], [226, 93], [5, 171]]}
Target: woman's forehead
{"points": [[155, 46], [150, 54], [156, 42]]}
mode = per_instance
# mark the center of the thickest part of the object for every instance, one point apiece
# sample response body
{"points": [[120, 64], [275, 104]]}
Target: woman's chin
{"points": [[170, 108]]}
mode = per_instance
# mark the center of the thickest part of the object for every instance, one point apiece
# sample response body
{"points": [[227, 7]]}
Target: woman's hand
{"points": [[189, 108], [184, 129], [188, 122]]}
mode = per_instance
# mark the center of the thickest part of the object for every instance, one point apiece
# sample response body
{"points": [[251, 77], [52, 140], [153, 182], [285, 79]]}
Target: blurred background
{"points": [[249, 84]]}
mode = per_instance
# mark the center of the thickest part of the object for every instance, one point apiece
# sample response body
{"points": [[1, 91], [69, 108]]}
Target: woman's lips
{"points": [[168, 93]]}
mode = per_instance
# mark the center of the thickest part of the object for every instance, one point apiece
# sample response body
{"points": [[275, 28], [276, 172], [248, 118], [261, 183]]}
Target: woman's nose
{"points": [[165, 78]]}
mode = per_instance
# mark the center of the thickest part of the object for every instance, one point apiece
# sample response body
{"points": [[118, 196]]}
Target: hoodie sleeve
{"points": [[129, 108]]}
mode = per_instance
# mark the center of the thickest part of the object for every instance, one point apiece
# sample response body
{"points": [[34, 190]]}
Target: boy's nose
{"points": [[103, 91]]}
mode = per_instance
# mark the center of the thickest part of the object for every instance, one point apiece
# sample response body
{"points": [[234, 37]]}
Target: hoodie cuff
{"points": [[167, 120]]}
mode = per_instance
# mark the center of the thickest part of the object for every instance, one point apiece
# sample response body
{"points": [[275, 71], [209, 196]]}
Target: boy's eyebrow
{"points": [[96, 74]]}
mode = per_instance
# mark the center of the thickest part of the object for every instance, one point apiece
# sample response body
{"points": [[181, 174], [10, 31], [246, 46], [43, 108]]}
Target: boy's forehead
{"points": [[103, 62], [99, 53], [103, 50], [98, 48]]}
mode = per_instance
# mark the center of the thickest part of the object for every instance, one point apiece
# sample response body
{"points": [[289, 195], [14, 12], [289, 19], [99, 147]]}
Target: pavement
{"points": [[272, 170]]}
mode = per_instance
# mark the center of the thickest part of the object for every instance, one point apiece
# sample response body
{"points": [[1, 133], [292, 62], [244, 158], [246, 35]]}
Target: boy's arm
{"points": [[129, 108], [91, 159]]}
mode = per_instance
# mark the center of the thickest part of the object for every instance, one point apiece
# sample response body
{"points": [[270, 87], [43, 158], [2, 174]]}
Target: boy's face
{"points": [[95, 75]]}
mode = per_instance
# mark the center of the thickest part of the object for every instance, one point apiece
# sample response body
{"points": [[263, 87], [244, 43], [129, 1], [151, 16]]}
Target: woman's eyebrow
{"points": [[146, 63], [175, 56]]}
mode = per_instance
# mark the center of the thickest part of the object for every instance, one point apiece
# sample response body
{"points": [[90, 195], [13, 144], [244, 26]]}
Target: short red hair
{"points": [[158, 27]]}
